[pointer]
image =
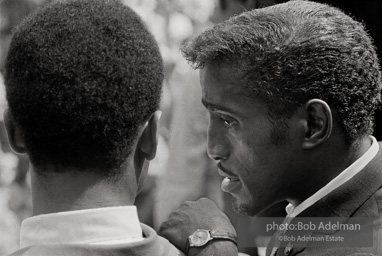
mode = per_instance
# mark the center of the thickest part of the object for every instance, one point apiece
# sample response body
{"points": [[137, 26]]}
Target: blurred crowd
{"points": [[182, 170]]}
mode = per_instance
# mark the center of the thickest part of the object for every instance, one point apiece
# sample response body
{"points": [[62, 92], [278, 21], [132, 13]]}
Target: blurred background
{"points": [[182, 170]]}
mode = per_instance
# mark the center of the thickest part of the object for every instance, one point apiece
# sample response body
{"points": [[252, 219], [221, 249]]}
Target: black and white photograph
{"points": [[190, 128]]}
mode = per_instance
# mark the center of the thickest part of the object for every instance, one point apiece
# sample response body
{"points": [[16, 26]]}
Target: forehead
{"points": [[224, 89], [222, 76]]}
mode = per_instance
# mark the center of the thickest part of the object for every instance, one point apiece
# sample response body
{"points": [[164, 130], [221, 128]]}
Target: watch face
{"points": [[200, 237]]}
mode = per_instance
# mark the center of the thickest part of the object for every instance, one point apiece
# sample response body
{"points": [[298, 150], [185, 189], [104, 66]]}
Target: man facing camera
{"points": [[291, 91], [83, 81]]}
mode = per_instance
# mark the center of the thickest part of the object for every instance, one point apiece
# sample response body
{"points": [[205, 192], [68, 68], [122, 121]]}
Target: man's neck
{"points": [[330, 166], [69, 191]]}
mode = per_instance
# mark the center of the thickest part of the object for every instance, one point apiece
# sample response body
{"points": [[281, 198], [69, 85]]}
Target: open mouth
{"points": [[226, 173], [230, 184], [231, 178], [230, 181]]}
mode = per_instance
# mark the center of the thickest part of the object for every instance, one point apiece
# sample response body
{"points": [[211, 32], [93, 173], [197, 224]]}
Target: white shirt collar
{"points": [[344, 176], [110, 225]]}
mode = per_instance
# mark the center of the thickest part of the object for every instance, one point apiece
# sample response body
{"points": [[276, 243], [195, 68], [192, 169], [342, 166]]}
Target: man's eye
{"points": [[228, 123]]}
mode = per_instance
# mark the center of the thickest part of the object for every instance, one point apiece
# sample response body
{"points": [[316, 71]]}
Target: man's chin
{"points": [[245, 209]]}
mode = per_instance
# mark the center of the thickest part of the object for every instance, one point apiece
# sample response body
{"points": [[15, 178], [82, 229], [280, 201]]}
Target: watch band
{"points": [[223, 235], [214, 235]]}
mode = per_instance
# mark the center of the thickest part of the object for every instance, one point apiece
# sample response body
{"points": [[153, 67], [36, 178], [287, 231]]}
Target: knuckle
{"points": [[204, 199], [207, 201], [186, 204]]}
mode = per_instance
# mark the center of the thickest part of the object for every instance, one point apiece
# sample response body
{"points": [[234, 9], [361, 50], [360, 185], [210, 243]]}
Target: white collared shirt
{"points": [[110, 225], [344, 176]]}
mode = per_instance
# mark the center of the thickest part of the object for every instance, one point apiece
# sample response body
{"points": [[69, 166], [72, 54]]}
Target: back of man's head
{"points": [[11, 13], [81, 77]]}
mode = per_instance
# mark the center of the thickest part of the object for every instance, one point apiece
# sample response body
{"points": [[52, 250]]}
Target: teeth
{"points": [[229, 184]]}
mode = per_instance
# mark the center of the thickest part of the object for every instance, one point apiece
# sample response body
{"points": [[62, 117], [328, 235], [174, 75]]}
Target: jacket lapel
{"points": [[344, 201]]}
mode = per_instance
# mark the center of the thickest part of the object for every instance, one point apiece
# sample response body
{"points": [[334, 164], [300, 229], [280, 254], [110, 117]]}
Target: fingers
{"points": [[193, 215]]}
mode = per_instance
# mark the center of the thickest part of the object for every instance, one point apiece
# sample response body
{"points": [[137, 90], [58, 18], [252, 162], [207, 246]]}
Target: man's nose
{"points": [[217, 148]]}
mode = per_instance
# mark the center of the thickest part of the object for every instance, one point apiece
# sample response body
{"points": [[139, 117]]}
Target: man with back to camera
{"points": [[291, 91], [83, 81]]}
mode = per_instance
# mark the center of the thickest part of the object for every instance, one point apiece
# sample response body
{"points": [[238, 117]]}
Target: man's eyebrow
{"points": [[214, 107]]}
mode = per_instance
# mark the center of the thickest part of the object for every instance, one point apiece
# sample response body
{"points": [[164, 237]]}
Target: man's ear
{"points": [[148, 140], [14, 135], [319, 123]]}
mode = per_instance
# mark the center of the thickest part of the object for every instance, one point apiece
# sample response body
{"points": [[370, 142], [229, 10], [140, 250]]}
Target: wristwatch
{"points": [[202, 236]]}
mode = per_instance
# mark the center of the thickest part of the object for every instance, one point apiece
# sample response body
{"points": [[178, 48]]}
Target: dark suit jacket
{"points": [[153, 245], [361, 196]]}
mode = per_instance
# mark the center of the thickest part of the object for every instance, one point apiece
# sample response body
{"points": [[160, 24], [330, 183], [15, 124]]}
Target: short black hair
{"points": [[292, 52], [81, 77], [11, 13]]}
